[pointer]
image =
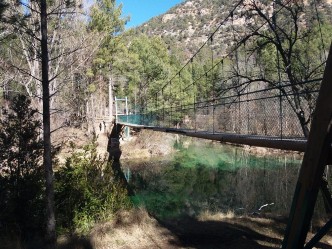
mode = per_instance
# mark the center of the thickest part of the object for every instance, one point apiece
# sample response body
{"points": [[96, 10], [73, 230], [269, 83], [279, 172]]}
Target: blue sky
{"points": [[141, 11]]}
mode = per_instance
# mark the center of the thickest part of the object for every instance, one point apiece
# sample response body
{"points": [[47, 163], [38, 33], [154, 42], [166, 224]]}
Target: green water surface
{"points": [[206, 176]]}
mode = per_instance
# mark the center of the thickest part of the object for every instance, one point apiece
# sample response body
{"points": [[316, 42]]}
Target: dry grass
{"points": [[134, 229], [207, 215], [137, 229], [270, 227], [67, 136], [261, 151], [147, 144]]}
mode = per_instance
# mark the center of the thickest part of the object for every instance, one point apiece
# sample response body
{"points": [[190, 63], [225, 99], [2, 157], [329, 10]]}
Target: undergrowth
{"points": [[87, 192]]}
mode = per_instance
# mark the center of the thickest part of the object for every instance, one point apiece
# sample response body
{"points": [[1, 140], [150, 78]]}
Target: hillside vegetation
{"points": [[189, 24]]}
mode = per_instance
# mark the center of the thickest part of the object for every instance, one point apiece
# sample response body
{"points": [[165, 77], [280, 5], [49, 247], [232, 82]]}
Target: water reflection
{"points": [[213, 177]]}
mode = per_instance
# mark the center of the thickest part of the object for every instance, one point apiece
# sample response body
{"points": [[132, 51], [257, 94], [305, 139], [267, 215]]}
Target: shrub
{"points": [[86, 192]]}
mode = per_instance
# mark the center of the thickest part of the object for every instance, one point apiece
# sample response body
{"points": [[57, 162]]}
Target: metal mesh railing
{"points": [[263, 112]]}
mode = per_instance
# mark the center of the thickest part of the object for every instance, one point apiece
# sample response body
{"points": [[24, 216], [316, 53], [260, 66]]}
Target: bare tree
{"points": [[36, 60], [282, 37], [50, 216]]}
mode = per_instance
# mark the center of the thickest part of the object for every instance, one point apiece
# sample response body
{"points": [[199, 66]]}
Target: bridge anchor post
{"points": [[114, 152], [315, 159]]}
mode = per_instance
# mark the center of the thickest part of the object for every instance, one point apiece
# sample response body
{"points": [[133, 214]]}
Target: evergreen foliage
{"points": [[3, 7], [105, 17], [21, 171], [86, 192]]}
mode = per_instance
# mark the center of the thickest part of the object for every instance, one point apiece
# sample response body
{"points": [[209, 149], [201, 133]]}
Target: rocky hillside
{"points": [[192, 20], [190, 23]]}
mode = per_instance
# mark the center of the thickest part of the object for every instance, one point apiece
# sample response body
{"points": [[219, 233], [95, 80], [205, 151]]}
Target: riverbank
{"points": [[203, 173], [136, 229], [145, 144]]}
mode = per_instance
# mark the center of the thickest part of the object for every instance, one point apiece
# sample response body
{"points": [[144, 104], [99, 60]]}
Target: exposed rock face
{"points": [[189, 21], [189, 24], [168, 17]]}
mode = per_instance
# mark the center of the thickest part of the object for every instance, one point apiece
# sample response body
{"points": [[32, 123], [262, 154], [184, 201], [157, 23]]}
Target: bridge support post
{"points": [[313, 165], [113, 147], [115, 152], [127, 132]]}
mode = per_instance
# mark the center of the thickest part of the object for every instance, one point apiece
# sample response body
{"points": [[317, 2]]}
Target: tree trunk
{"points": [[50, 217], [304, 126], [110, 100]]}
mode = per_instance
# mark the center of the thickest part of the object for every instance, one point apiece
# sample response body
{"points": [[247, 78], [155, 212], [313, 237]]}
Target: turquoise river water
{"points": [[205, 176]]}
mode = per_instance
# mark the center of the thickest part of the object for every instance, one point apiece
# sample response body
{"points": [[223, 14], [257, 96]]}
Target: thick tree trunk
{"points": [[50, 217]]}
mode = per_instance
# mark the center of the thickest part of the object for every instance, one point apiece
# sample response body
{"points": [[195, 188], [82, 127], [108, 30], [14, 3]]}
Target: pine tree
{"points": [[21, 171]]}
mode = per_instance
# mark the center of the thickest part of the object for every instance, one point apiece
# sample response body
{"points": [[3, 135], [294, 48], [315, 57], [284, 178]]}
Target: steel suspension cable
{"points": [[212, 34]]}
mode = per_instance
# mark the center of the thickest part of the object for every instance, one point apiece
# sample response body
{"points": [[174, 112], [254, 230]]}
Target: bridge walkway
{"points": [[292, 144]]}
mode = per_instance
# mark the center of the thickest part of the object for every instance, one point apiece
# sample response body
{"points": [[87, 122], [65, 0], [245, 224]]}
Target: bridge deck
{"points": [[293, 144]]}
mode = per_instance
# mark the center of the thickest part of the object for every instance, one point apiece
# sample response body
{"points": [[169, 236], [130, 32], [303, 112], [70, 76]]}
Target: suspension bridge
{"points": [[242, 97]]}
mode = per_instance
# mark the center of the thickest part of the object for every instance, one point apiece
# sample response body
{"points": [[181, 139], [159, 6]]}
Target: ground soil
{"points": [[137, 229]]}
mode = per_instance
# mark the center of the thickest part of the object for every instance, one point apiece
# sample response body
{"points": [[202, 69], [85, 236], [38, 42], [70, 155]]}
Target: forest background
{"points": [[90, 57]]}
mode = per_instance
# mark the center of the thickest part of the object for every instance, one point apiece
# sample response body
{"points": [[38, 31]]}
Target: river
{"points": [[204, 176]]}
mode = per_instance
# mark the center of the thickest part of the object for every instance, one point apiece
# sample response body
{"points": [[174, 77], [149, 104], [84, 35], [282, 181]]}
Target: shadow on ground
{"points": [[233, 233], [218, 234], [75, 243]]}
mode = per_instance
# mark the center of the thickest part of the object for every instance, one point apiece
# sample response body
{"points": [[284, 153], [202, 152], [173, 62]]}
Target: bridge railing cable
{"points": [[240, 90]]}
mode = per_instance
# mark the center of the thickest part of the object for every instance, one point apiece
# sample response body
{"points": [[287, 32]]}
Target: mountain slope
{"points": [[189, 24]]}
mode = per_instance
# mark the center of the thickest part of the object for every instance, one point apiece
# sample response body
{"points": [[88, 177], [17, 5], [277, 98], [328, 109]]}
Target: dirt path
{"points": [[138, 230]]}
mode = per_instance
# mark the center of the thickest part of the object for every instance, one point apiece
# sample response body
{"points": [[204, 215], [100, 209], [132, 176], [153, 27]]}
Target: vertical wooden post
{"points": [[314, 162], [116, 110], [110, 100]]}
